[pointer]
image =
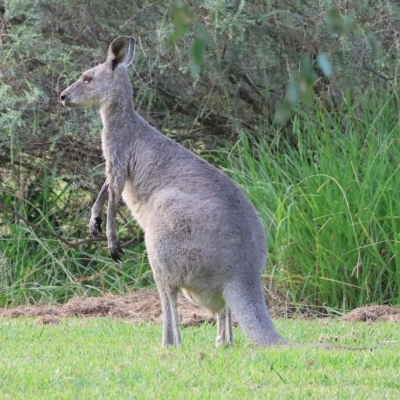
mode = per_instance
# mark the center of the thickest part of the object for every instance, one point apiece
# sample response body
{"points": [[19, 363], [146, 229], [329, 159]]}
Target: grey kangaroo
{"points": [[202, 234]]}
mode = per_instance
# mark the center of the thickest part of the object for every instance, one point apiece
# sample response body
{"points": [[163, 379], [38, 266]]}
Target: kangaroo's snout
{"points": [[63, 98], [67, 99]]}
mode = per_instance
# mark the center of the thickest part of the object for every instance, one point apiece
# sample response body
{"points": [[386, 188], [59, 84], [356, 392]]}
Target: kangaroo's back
{"points": [[202, 234]]}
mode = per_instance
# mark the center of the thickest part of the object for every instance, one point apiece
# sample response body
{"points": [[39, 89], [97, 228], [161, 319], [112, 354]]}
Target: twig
{"points": [[381, 74]]}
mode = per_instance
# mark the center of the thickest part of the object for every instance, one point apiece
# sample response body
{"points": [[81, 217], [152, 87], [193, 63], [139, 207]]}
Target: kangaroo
{"points": [[203, 236]]}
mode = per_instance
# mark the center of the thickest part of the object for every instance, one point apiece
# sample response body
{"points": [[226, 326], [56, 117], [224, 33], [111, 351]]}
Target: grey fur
{"points": [[202, 234]]}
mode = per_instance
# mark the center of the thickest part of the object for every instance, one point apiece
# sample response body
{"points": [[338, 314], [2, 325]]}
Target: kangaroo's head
{"points": [[101, 84]]}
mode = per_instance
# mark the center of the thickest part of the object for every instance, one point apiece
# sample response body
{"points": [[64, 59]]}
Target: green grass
{"points": [[328, 200], [107, 359]]}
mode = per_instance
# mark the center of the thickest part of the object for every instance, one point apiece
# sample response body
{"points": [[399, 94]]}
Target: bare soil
{"points": [[142, 306], [145, 306], [373, 314]]}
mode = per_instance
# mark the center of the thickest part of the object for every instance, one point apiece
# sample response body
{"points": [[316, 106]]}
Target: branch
{"points": [[380, 74], [69, 244]]}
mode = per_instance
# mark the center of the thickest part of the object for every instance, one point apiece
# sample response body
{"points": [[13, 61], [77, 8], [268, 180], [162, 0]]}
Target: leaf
{"points": [[334, 20], [337, 23], [324, 64], [293, 92], [283, 112], [307, 73], [181, 18], [197, 51], [375, 45]]}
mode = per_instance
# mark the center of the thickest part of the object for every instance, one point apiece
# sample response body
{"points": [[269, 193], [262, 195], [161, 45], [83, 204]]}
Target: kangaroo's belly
{"points": [[213, 302]]}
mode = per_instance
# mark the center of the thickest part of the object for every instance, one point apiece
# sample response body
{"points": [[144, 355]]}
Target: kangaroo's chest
{"points": [[135, 204]]}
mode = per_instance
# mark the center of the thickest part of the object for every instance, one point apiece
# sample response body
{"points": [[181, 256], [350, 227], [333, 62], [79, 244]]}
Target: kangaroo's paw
{"points": [[115, 250], [95, 226]]}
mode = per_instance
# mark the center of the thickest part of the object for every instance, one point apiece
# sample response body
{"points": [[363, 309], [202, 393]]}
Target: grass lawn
{"points": [[102, 358]]}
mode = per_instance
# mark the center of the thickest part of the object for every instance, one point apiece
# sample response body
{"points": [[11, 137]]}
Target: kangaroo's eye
{"points": [[86, 79]]}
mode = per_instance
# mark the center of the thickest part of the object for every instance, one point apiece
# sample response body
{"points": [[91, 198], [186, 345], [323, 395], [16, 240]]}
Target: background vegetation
{"points": [[296, 100]]}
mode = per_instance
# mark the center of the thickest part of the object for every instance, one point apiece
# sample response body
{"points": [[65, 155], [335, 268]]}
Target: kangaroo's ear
{"points": [[121, 51]]}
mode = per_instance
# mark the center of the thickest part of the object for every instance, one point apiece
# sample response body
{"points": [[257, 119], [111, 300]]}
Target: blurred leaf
{"points": [[181, 18], [306, 91], [197, 51], [375, 45], [307, 78], [196, 56], [307, 72], [334, 20], [347, 24], [293, 92], [299, 87], [283, 111], [338, 24], [291, 100], [324, 64]]}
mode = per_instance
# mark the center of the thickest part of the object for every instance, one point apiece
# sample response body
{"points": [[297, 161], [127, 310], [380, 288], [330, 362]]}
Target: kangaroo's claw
{"points": [[116, 252], [95, 226]]}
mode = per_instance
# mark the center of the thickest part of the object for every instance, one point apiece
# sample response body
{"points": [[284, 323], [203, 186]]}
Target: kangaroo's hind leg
{"points": [[224, 327], [170, 317]]}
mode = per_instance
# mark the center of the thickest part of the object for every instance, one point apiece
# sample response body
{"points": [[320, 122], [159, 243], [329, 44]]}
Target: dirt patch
{"points": [[142, 306], [145, 305], [373, 314]]}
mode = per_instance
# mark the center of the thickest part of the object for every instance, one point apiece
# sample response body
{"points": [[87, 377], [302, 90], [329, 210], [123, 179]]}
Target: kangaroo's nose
{"points": [[62, 97]]}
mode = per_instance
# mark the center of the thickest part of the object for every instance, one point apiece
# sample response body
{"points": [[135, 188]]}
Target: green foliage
{"points": [[328, 200], [114, 359], [300, 87], [38, 260], [181, 17], [219, 64], [203, 72]]}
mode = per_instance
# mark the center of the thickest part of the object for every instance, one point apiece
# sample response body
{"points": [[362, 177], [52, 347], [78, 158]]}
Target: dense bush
{"points": [[204, 71]]}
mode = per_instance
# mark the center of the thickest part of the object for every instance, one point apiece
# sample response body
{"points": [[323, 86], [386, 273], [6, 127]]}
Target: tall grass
{"points": [[329, 199], [36, 266]]}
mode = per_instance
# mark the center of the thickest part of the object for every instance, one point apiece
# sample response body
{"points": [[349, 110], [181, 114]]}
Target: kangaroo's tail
{"points": [[247, 303]]}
